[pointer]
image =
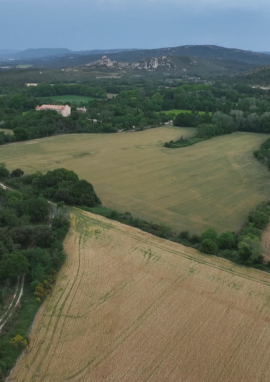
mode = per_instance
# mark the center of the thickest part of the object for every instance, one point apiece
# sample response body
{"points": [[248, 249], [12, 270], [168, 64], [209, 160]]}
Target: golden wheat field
{"points": [[128, 306], [214, 183]]}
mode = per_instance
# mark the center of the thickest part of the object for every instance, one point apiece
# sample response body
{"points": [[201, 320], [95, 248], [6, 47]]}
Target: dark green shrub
{"points": [[184, 235], [226, 240], [208, 246], [260, 219], [210, 234], [194, 239]]}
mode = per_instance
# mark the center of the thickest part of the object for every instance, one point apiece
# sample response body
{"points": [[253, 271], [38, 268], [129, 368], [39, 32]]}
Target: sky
{"points": [[111, 24]]}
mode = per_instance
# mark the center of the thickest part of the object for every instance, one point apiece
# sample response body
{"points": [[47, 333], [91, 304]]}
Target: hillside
{"points": [[128, 306], [199, 51], [258, 76], [7, 52], [211, 60], [185, 66]]}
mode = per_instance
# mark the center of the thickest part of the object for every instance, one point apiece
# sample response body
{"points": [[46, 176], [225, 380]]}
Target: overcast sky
{"points": [[109, 24]]}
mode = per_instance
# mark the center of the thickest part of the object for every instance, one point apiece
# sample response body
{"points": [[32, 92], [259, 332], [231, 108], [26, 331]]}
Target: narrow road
{"points": [[14, 303]]}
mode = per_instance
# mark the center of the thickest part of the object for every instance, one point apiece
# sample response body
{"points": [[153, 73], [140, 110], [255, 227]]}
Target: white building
{"points": [[65, 111], [82, 109]]}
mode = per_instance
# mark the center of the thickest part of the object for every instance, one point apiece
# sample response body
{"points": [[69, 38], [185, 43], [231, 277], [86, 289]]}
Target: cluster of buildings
{"points": [[65, 111]]}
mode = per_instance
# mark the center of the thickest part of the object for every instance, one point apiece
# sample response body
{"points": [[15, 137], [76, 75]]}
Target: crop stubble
{"points": [[128, 306]]}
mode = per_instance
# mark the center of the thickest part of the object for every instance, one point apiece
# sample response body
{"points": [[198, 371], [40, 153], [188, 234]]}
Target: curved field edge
{"points": [[132, 307], [215, 183]]}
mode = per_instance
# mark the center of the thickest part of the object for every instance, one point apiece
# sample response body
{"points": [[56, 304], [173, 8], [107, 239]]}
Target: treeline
{"points": [[222, 124], [191, 119], [39, 124], [45, 90], [59, 185], [263, 153], [215, 109], [31, 234]]}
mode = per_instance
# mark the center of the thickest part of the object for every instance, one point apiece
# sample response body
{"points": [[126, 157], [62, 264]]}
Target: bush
{"points": [[226, 240], [209, 246], [249, 229], [3, 171], [184, 235], [260, 219], [17, 173], [194, 239], [250, 250]]}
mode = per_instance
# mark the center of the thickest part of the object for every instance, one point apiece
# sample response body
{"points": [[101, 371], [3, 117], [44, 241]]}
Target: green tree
{"points": [[12, 265], [260, 219], [38, 209], [250, 250], [226, 240], [3, 171], [208, 246], [209, 233]]}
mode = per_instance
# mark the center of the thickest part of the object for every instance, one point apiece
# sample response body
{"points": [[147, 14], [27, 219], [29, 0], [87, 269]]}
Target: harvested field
{"points": [[213, 183], [128, 306]]}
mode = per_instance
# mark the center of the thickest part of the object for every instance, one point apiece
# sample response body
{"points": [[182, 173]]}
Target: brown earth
{"points": [[128, 306]]}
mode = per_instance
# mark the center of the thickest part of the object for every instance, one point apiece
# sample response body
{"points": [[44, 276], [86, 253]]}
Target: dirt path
{"points": [[4, 187], [14, 303], [265, 241]]}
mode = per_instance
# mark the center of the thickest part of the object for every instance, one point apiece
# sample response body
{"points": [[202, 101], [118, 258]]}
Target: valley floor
{"points": [[215, 183]]}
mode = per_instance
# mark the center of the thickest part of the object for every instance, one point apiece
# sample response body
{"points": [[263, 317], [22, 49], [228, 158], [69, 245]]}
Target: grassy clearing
{"points": [[7, 131], [213, 183], [129, 307], [72, 98]]}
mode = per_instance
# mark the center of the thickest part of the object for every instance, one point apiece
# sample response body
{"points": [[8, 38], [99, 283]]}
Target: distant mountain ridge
{"points": [[208, 52], [45, 53], [7, 52], [131, 55], [40, 53], [211, 59]]}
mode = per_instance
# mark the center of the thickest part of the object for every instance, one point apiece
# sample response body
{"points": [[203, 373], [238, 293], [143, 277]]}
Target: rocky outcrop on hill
{"points": [[149, 64]]}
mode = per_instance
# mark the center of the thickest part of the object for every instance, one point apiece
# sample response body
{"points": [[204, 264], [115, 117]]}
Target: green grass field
{"points": [[213, 183], [72, 98], [178, 111]]}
